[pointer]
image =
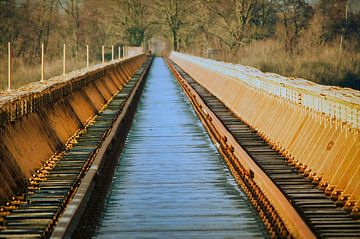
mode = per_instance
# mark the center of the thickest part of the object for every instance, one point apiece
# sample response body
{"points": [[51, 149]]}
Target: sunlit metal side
{"points": [[335, 102], [324, 148], [70, 218], [261, 185]]}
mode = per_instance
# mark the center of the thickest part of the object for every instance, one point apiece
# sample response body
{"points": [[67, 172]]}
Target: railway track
{"points": [[51, 189], [170, 181], [36, 213], [318, 211]]}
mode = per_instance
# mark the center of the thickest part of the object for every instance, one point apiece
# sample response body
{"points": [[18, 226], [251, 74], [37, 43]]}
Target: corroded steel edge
{"points": [[34, 96], [72, 214], [256, 184]]}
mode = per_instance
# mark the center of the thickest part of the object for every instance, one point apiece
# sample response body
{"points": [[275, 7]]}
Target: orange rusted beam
{"points": [[73, 212], [61, 106], [322, 146], [293, 221]]}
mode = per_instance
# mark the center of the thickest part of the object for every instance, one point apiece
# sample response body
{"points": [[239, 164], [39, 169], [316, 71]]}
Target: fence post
{"points": [[42, 63], [103, 54], [64, 60], [9, 67], [112, 53], [87, 56]]}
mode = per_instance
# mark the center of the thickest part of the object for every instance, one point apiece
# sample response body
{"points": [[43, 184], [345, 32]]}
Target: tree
{"points": [[295, 16], [264, 18], [72, 9], [231, 20], [8, 26], [237, 22], [172, 14], [339, 20], [131, 20]]}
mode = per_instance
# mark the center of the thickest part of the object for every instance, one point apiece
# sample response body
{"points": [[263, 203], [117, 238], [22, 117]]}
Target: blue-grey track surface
{"points": [[171, 181]]}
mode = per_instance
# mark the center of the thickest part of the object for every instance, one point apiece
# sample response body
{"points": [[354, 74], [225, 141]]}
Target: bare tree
{"points": [[131, 20], [72, 9], [234, 22], [295, 16], [172, 14], [235, 15]]}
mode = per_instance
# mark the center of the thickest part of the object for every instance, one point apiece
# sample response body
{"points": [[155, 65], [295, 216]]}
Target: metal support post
{"points": [[103, 53], [42, 62], [64, 60], [112, 53], [87, 56], [9, 67]]}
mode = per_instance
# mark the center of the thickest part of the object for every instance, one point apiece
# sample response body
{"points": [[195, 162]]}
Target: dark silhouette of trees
{"points": [[172, 15], [295, 15], [208, 25]]}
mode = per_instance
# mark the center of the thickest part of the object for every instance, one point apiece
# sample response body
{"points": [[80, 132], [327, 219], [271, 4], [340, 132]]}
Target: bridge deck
{"points": [[170, 181]]}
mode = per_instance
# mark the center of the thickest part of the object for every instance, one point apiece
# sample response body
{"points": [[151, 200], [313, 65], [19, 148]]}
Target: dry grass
{"points": [[324, 64], [24, 73]]}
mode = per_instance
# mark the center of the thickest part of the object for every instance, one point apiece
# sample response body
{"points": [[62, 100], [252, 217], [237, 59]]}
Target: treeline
{"points": [[231, 30], [27, 24], [317, 40], [232, 24]]}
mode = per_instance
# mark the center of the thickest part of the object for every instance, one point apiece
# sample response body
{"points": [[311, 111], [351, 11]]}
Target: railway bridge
{"points": [[179, 147]]}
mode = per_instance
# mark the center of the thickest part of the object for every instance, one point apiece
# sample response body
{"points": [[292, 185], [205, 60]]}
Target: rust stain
{"points": [[330, 145]]}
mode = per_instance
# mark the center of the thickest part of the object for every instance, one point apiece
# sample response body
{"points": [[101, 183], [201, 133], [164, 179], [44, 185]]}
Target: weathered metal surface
{"points": [[312, 206], [53, 186], [36, 95], [341, 103], [40, 118], [73, 214], [324, 147], [171, 182]]}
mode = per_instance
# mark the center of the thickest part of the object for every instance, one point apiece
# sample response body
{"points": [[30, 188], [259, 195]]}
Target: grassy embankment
{"points": [[324, 64]]}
